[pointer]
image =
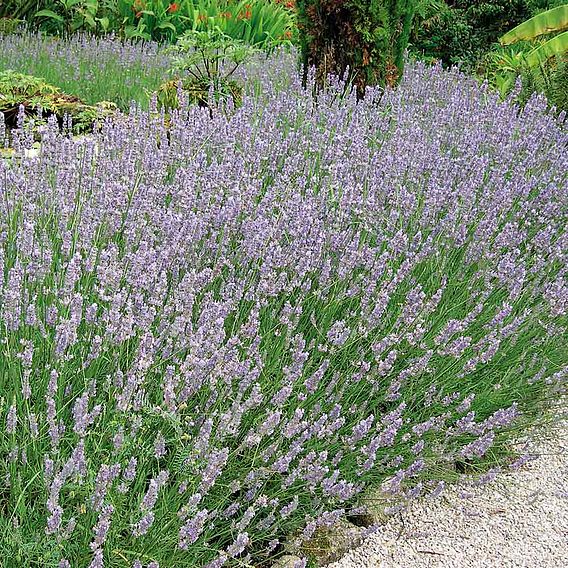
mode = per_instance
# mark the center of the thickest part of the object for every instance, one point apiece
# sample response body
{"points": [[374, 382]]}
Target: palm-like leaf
{"points": [[558, 45], [555, 20]]}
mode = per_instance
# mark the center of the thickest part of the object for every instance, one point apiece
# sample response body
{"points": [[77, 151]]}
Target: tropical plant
{"points": [[367, 37], [526, 55], [507, 68], [149, 19], [256, 22], [205, 62], [502, 67], [553, 21], [69, 16], [463, 31]]}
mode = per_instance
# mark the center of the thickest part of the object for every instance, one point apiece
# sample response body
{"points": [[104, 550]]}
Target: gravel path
{"points": [[520, 520]]}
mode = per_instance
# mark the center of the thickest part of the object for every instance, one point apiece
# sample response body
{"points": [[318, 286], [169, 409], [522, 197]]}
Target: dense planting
{"points": [[260, 22], [218, 335], [89, 68]]}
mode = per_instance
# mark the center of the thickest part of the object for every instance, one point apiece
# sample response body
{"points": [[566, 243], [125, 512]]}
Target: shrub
{"points": [[366, 38], [218, 336], [468, 29], [23, 96], [206, 61], [92, 69]]}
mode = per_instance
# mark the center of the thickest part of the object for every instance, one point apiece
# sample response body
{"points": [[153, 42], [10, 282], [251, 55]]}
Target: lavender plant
{"points": [[218, 336], [93, 69]]}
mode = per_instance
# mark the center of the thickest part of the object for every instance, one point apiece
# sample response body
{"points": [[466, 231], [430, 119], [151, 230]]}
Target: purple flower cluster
{"points": [[232, 326], [93, 68]]}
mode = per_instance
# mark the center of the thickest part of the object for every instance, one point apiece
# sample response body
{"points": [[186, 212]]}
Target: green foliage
{"points": [[15, 87], [463, 31], [540, 65], [203, 53], [545, 23], [68, 16], [504, 67], [34, 93], [558, 45], [155, 19], [259, 22], [368, 37], [205, 62], [197, 92], [549, 78], [9, 25], [551, 21], [21, 9]]}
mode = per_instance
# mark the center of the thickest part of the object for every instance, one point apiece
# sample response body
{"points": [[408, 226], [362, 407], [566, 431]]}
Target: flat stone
{"points": [[288, 561]]}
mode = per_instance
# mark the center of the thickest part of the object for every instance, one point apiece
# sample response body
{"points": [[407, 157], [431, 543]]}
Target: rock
{"points": [[328, 544], [375, 500], [288, 561]]}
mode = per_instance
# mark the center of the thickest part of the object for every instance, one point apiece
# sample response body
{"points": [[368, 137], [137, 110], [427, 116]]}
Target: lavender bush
{"points": [[218, 335], [93, 69]]}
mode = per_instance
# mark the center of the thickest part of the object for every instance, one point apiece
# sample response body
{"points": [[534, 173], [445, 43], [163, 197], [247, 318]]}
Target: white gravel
{"points": [[520, 520]]}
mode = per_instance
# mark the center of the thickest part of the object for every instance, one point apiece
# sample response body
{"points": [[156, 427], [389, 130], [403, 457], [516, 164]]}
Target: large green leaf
{"points": [[558, 45], [555, 20], [49, 14]]}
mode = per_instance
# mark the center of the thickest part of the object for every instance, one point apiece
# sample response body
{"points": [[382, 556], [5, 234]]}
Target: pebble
{"points": [[519, 521]]}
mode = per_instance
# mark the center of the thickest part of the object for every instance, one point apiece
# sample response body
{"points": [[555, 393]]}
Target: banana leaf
{"points": [[555, 20], [558, 45]]}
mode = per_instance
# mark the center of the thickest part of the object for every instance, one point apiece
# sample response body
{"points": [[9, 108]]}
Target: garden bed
{"points": [[217, 336]]}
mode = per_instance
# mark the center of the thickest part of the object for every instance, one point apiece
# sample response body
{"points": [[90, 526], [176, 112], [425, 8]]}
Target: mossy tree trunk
{"points": [[368, 37]]}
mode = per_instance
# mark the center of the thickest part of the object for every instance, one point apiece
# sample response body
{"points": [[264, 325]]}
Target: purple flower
{"points": [[159, 446], [97, 561], [11, 420], [191, 530], [338, 333], [278, 305], [478, 447], [151, 495], [239, 545], [105, 477], [102, 527], [144, 524]]}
